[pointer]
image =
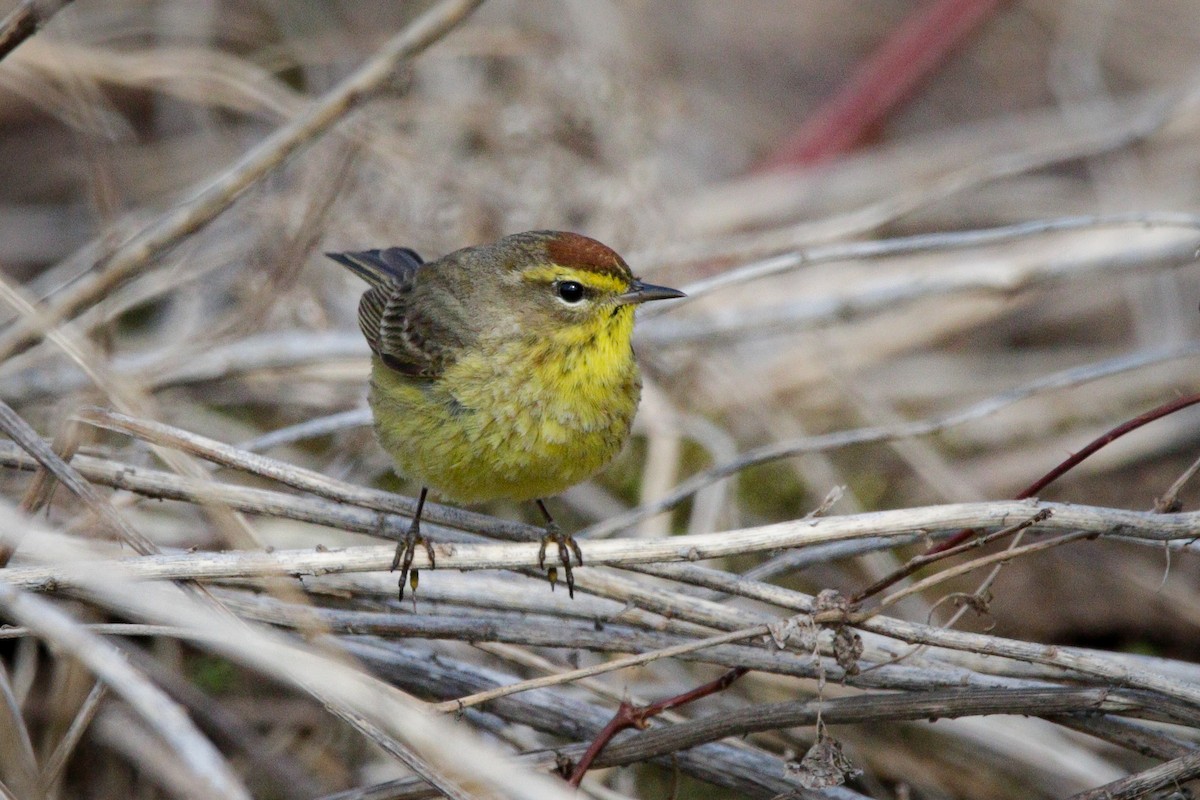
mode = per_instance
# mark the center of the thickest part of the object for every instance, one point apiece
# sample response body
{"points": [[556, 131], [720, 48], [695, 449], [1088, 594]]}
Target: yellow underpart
{"points": [[536, 416]]}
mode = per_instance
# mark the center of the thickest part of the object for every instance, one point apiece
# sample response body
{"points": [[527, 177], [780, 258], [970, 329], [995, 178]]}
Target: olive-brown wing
{"points": [[404, 336], [408, 317]]}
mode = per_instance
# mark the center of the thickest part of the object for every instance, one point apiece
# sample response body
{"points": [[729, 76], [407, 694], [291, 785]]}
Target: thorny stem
{"points": [[955, 541], [1166, 409], [630, 716]]}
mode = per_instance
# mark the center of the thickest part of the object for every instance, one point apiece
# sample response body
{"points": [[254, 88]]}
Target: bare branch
{"points": [[213, 198], [155, 707], [1179, 770]]}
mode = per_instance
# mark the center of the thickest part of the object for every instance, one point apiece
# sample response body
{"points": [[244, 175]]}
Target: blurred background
{"points": [[697, 138]]}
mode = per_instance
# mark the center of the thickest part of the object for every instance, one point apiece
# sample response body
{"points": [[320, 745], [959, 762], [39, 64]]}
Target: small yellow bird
{"points": [[504, 371]]}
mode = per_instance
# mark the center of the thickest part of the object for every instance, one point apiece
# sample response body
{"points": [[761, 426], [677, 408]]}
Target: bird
{"points": [[501, 371]]}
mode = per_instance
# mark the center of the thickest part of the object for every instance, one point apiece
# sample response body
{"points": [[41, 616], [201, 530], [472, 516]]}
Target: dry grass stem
{"points": [[213, 198], [196, 523]]}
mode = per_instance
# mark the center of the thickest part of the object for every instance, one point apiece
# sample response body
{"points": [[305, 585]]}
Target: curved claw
{"points": [[566, 546], [405, 549]]}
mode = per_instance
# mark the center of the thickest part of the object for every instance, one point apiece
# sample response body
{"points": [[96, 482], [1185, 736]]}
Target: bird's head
{"points": [[567, 286]]}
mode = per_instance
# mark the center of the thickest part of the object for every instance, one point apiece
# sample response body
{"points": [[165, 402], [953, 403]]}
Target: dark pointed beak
{"points": [[645, 292]]}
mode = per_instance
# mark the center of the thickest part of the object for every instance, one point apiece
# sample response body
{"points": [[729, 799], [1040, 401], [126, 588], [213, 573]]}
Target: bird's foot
{"points": [[403, 559], [566, 546]]}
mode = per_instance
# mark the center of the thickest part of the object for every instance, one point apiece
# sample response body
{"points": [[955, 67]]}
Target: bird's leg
{"points": [[408, 545], [566, 546]]}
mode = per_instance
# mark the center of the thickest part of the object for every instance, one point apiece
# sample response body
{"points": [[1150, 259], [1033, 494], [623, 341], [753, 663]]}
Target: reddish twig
{"points": [[1032, 489], [630, 716], [1111, 436], [930, 556], [1164, 410], [881, 82]]}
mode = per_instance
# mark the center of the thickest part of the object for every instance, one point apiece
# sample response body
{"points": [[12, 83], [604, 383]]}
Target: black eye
{"points": [[570, 291]]}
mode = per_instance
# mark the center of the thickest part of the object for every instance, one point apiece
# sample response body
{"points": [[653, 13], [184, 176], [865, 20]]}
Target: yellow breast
{"points": [[526, 421]]}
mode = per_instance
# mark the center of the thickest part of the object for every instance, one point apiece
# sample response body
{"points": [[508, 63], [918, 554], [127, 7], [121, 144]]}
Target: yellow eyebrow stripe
{"points": [[597, 281]]}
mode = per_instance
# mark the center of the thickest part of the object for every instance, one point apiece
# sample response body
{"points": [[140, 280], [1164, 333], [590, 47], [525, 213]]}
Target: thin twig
{"points": [[309, 429], [158, 710], [747, 770], [53, 769], [126, 395], [1164, 410], [920, 243], [1121, 125], [21, 760], [970, 566], [629, 716], [299, 477], [1099, 665], [599, 669], [920, 561], [1177, 771], [20, 432], [243, 564], [213, 198], [1032, 490], [788, 448], [331, 680], [1168, 501], [869, 708]]}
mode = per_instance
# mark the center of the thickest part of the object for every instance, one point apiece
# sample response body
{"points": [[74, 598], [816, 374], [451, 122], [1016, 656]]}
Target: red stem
{"points": [[630, 716], [887, 77], [1032, 489]]}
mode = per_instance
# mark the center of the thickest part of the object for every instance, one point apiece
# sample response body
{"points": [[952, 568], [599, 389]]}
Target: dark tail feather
{"points": [[381, 267]]}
